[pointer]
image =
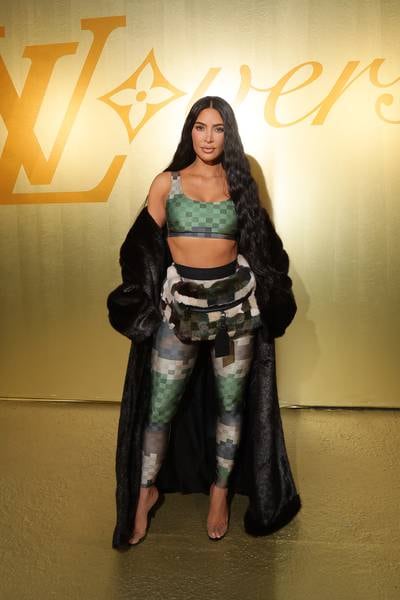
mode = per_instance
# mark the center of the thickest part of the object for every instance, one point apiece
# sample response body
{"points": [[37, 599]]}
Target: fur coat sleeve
{"points": [[275, 295], [262, 470]]}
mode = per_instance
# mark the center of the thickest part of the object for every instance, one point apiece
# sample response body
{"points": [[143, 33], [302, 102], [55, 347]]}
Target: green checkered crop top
{"points": [[197, 218]]}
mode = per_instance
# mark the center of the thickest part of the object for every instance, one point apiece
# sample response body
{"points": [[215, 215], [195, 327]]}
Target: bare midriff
{"points": [[202, 252]]}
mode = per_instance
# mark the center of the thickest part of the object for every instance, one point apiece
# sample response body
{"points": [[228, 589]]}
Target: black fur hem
{"points": [[255, 527]]}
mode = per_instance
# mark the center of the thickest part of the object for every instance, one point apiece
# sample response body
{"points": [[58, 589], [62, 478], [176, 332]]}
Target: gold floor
{"points": [[57, 515]]}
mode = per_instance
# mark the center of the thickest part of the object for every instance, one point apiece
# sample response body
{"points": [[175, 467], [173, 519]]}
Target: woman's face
{"points": [[208, 135]]}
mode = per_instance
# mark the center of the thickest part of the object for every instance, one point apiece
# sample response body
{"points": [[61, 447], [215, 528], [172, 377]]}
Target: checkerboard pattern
{"points": [[201, 219], [196, 218]]}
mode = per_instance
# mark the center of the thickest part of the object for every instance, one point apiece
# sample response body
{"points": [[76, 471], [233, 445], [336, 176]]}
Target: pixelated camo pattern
{"points": [[179, 293], [172, 363], [196, 218]]}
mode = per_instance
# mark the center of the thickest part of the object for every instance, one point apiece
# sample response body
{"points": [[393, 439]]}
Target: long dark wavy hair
{"points": [[242, 187]]}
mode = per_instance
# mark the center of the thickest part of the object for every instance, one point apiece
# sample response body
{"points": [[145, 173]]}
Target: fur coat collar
{"points": [[262, 471]]}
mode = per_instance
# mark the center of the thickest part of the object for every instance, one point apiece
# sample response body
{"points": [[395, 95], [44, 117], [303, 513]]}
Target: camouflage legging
{"points": [[172, 362]]}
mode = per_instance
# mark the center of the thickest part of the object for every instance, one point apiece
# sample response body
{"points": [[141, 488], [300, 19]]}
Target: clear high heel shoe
{"points": [[217, 539], [150, 515]]}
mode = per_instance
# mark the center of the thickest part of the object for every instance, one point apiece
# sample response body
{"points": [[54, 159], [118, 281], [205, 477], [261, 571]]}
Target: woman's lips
{"points": [[208, 150]]}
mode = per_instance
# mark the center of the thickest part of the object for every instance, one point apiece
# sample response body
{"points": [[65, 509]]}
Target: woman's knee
{"points": [[231, 375]]}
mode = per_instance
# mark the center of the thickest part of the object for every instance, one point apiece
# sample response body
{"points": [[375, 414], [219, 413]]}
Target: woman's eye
{"points": [[201, 128]]}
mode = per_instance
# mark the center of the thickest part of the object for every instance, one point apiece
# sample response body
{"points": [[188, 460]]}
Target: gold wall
{"points": [[92, 98]]}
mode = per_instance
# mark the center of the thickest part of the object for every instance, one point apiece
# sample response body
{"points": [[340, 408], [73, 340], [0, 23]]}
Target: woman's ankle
{"points": [[147, 491], [147, 488], [220, 486]]}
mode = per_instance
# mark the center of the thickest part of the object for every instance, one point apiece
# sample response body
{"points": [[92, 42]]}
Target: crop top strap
{"points": [[175, 184]]}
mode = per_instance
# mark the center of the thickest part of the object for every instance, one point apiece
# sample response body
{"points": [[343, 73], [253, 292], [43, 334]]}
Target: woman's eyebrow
{"points": [[201, 123]]}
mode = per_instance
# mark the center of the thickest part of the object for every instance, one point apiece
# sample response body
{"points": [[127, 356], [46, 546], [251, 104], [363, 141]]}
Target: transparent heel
{"points": [[211, 528], [150, 515]]}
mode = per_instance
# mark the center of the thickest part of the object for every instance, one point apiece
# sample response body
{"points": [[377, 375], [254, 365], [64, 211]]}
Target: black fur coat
{"points": [[262, 471]]}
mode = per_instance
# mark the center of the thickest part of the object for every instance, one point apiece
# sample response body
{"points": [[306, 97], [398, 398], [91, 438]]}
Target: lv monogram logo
{"points": [[135, 101], [19, 113]]}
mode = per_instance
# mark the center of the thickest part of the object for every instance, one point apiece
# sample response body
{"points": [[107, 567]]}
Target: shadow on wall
{"points": [[258, 175], [298, 366]]}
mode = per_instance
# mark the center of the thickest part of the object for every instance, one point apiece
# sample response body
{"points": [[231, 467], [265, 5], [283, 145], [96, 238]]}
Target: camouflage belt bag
{"points": [[216, 309]]}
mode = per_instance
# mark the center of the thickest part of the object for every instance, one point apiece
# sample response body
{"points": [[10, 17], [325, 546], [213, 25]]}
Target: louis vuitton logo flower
{"points": [[144, 93]]}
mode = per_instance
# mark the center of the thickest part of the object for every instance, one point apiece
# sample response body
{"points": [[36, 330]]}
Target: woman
{"points": [[207, 201]]}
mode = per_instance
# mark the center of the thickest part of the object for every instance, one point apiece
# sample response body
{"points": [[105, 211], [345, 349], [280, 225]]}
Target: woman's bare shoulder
{"points": [[157, 196], [161, 181]]}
